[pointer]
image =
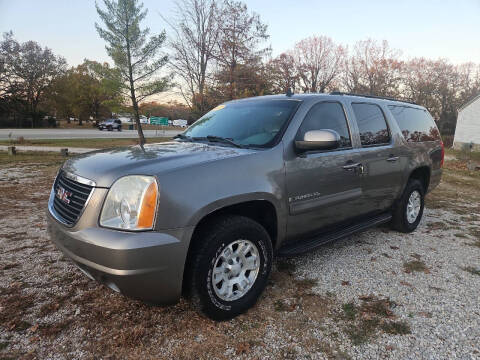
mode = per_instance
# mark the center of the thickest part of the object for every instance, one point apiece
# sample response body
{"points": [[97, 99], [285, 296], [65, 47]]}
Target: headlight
{"points": [[131, 203]]}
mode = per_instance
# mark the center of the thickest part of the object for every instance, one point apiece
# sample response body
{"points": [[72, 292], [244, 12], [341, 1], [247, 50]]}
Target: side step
{"points": [[303, 246]]}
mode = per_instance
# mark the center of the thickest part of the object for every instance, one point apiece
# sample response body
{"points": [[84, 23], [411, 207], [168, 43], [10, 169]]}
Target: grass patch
{"points": [[364, 320], [472, 270], [415, 266], [350, 311], [32, 157], [363, 331], [396, 328], [95, 143]]}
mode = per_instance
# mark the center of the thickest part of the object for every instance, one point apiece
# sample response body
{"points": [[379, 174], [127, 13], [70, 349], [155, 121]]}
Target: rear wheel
{"points": [[409, 209], [230, 267]]}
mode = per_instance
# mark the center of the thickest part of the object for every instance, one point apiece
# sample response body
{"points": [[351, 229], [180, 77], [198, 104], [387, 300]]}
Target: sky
{"points": [[430, 28]]}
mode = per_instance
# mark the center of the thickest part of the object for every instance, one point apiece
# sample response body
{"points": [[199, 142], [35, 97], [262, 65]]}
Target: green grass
{"points": [[415, 266], [85, 143], [350, 311], [396, 328], [25, 157]]}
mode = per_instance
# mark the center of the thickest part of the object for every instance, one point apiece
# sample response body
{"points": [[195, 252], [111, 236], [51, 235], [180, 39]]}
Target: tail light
{"points": [[443, 154]]}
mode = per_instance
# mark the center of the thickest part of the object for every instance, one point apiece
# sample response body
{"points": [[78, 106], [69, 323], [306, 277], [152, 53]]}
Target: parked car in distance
{"points": [[205, 214], [110, 125], [180, 122]]}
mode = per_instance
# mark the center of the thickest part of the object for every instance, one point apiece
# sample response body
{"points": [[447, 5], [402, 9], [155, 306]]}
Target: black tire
{"points": [[218, 235], [399, 220], [119, 128]]}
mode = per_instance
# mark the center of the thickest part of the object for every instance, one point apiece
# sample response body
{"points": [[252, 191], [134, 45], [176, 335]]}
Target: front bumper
{"points": [[142, 265]]}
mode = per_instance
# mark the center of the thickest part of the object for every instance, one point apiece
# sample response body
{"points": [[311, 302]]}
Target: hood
{"points": [[105, 166]]}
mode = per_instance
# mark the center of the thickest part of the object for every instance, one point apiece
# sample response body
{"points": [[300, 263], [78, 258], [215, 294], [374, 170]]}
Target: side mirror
{"points": [[324, 139]]}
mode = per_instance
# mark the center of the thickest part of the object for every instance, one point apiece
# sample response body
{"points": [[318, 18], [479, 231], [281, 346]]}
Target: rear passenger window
{"points": [[416, 124], [327, 115], [371, 124]]}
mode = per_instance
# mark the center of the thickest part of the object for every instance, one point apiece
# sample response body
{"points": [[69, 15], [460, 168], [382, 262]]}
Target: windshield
{"points": [[254, 123]]}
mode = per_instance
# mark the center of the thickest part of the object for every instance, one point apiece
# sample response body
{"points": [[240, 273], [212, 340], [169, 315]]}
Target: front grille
{"points": [[70, 198]]}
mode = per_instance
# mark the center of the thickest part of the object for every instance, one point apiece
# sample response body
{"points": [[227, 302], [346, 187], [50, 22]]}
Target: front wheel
{"points": [[230, 267], [409, 209]]}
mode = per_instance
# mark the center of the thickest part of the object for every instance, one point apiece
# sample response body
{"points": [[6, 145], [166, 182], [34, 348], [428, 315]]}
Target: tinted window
{"points": [[371, 124], [416, 124], [256, 122], [327, 115]]}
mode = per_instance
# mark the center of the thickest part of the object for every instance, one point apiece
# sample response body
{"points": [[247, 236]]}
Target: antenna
{"points": [[289, 92]]}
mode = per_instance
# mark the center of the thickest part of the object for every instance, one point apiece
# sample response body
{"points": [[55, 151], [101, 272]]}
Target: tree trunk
{"points": [[132, 94]]}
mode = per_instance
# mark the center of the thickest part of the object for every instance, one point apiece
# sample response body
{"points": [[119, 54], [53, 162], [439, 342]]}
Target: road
{"points": [[80, 133]]}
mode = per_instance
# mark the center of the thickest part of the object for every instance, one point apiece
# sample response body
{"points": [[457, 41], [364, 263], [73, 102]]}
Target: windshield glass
{"points": [[254, 123]]}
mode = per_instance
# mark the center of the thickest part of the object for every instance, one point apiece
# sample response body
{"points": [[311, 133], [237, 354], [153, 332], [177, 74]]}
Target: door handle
{"points": [[392, 158], [351, 166]]}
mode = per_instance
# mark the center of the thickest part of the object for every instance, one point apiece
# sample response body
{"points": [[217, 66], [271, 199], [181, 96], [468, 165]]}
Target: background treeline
{"points": [[218, 51]]}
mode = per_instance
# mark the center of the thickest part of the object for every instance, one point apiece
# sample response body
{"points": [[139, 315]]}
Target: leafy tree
{"points": [[28, 72], [136, 56], [241, 36], [283, 73], [87, 91]]}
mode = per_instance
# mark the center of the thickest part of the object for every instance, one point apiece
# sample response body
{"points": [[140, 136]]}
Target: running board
{"points": [[303, 246]]}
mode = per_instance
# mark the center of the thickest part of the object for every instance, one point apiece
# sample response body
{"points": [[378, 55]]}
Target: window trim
{"points": [[390, 138], [346, 121]]}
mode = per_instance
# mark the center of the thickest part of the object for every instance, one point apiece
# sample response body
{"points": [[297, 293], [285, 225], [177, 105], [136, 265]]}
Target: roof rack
{"points": [[373, 97]]}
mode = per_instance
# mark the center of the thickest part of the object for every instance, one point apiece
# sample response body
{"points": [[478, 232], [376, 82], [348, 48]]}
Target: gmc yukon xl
{"points": [[204, 215]]}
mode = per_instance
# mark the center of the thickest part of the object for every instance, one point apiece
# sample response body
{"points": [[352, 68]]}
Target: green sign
{"points": [[156, 120]]}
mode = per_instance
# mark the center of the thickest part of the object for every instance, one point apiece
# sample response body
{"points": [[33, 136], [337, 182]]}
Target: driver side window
{"points": [[327, 115]]}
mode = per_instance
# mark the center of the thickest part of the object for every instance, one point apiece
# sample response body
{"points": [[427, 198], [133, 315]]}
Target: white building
{"points": [[468, 125]]}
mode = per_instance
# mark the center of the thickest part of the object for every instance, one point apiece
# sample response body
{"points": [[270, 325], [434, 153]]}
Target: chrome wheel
{"points": [[413, 206], [235, 270]]}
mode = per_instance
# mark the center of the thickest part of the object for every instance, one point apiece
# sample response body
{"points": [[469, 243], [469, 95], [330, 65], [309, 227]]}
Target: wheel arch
{"points": [[422, 174], [262, 211]]}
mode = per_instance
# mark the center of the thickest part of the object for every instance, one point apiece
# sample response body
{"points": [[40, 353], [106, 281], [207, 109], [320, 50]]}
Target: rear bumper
{"points": [[142, 265]]}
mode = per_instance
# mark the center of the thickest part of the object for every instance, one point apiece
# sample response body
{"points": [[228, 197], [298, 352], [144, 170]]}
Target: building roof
{"points": [[472, 100]]}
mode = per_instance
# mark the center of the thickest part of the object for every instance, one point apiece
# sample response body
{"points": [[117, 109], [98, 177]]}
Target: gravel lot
{"points": [[379, 294]]}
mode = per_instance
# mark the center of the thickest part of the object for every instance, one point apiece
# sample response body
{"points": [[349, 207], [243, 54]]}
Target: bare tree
{"points": [[241, 35], [318, 61], [136, 57], [373, 69], [196, 28]]}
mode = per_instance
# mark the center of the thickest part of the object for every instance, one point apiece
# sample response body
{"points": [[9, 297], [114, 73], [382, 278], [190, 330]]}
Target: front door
{"points": [[323, 187]]}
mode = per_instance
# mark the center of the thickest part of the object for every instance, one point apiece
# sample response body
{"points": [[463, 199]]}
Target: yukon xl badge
{"points": [[63, 195]]}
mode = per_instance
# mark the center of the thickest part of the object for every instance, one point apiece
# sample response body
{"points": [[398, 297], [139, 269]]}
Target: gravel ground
{"points": [[378, 294]]}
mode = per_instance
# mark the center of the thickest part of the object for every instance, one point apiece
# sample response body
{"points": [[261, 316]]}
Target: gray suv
{"points": [[205, 214]]}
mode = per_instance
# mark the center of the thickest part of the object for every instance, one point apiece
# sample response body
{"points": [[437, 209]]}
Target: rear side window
{"points": [[416, 124], [327, 115], [371, 124]]}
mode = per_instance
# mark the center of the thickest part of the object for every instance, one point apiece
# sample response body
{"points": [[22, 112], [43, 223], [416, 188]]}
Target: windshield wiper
{"points": [[183, 137], [214, 138]]}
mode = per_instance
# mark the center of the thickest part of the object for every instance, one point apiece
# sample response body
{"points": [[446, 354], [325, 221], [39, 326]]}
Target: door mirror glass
{"points": [[324, 139]]}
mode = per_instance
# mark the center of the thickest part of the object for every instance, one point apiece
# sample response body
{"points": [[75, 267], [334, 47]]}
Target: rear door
{"points": [[323, 187], [382, 163]]}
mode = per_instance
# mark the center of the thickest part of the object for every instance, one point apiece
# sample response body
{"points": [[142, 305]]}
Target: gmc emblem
{"points": [[63, 195]]}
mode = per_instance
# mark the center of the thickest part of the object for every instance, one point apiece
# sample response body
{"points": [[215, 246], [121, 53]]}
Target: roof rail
{"points": [[373, 97]]}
